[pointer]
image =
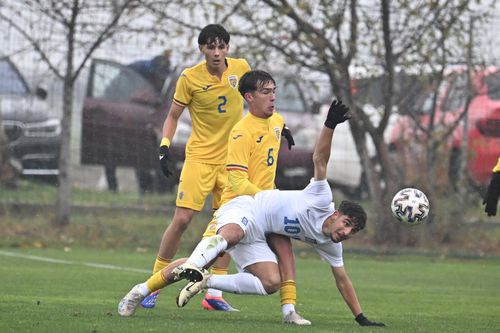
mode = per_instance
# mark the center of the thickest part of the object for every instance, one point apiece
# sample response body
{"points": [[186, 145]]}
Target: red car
{"points": [[483, 124]]}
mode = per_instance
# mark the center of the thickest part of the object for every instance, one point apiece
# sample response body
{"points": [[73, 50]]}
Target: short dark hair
{"points": [[355, 212], [252, 80], [211, 33]]}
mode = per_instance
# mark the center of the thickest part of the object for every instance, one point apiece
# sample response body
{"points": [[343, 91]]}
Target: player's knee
{"points": [[271, 284], [182, 220]]}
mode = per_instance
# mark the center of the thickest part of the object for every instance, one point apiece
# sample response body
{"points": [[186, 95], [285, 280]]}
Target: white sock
{"points": [[207, 250], [287, 308], [214, 292], [241, 283], [143, 289]]}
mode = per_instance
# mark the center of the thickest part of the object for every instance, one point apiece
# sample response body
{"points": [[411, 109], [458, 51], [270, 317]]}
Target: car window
{"points": [[11, 82], [288, 96], [117, 83], [457, 94], [492, 82]]}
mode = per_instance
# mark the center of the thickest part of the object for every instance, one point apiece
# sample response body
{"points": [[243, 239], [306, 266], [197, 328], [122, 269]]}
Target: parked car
{"points": [[483, 123], [34, 134], [123, 114]]}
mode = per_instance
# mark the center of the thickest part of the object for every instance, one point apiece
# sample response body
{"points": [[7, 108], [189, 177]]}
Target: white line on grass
{"points": [[68, 262]]}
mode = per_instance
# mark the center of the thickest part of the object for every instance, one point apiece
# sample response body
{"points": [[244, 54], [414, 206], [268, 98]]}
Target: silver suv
{"points": [[34, 135]]}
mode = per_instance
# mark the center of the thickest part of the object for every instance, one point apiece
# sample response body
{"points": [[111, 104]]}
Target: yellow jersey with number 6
{"points": [[214, 105], [253, 148]]}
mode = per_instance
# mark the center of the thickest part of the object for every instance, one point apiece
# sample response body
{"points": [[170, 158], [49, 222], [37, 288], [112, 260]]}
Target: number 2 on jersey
{"points": [[221, 106]]}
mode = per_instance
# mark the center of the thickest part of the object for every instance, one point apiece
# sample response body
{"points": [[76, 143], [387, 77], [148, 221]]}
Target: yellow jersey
{"points": [[215, 106], [253, 148]]}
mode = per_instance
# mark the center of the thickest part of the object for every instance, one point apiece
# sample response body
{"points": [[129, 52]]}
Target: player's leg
{"points": [[196, 182], [259, 277], [213, 299], [156, 282], [282, 246]]}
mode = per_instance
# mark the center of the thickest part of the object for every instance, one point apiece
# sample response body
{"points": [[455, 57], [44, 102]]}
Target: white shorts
{"points": [[253, 247]]}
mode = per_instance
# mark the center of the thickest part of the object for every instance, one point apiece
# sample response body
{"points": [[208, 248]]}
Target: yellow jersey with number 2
{"points": [[214, 105]]}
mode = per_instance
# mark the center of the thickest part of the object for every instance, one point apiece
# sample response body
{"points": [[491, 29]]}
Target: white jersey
{"points": [[300, 215], [296, 214]]}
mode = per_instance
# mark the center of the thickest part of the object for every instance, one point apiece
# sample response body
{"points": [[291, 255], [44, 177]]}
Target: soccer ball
{"points": [[410, 206]]}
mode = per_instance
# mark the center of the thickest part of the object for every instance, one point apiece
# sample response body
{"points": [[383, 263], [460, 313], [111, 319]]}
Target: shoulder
{"points": [[239, 64], [277, 118], [193, 70]]}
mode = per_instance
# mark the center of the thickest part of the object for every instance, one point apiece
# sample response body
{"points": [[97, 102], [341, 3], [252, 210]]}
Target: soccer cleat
{"points": [[150, 301], [130, 302], [188, 272], [192, 288], [295, 319], [216, 304]]}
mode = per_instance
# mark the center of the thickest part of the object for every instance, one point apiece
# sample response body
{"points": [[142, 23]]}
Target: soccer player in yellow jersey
{"points": [[210, 92], [493, 192], [253, 147]]}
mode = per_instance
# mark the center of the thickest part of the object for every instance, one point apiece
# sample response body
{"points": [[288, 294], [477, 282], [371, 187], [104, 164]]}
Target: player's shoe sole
{"points": [[213, 303], [150, 301], [293, 318], [192, 288], [130, 302], [188, 272]]}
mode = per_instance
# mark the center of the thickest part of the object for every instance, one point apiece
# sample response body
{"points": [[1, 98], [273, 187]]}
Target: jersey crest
{"points": [[277, 132], [233, 81]]}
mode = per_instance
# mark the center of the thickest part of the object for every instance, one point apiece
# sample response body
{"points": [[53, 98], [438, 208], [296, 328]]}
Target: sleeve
{"points": [[331, 253], [246, 67], [318, 193], [182, 94], [238, 155]]}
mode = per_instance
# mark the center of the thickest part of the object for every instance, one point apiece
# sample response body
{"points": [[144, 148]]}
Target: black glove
{"points": [[491, 199], [336, 114], [288, 136], [363, 321], [164, 154]]}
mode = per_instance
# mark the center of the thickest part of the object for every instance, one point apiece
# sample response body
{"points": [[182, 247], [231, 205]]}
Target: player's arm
{"points": [[346, 289], [336, 114], [238, 157], [168, 132]]}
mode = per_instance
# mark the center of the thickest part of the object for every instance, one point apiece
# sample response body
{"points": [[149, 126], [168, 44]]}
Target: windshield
{"points": [[493, 83], [117, 83], [288, 96], [11, 82]]}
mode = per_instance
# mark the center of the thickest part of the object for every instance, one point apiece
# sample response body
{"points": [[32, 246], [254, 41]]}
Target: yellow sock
{"points": [[155, 282], [160, 264], [288, 292], [219, 270]]}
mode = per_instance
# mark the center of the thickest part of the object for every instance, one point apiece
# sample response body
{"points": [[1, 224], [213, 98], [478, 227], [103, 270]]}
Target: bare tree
{"points": [[65, 34], [334, 37]]}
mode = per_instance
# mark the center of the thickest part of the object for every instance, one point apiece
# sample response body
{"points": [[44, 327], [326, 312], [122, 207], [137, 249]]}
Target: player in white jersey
{"points": [[243, 223]]}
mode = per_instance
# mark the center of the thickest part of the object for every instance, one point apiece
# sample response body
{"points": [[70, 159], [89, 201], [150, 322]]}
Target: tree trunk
{"points": [[64, 190]]}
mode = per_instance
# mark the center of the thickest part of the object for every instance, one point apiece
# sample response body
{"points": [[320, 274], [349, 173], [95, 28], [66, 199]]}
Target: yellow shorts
{"points": [[197, 181]]}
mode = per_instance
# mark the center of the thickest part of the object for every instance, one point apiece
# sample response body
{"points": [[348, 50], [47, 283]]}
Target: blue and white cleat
{"points": [[214, 303], [150, 301]]}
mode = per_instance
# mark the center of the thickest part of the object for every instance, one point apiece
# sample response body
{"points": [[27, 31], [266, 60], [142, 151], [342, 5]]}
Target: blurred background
{"points": [[86, 85]]}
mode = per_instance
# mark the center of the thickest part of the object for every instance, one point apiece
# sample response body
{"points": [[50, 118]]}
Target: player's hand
{"points": [[164, 154], [363, 321], [288, 136], [491, 198], [336, 114]]}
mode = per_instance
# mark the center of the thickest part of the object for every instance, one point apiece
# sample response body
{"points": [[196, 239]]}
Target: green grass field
{"points": [[409, 294]]}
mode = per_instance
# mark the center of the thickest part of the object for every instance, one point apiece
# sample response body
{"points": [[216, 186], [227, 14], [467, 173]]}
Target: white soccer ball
{"points": [[410, 206]]}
